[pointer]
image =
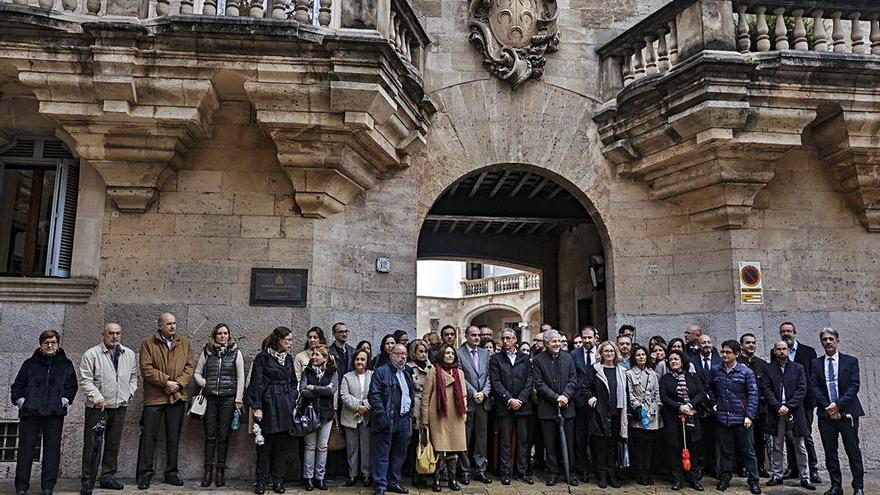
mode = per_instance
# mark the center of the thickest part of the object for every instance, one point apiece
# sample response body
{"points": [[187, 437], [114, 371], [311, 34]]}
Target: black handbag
{"points": [[305, 422]]}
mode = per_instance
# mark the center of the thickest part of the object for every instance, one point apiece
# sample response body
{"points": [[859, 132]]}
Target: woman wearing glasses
{"points": [[42, 390]]}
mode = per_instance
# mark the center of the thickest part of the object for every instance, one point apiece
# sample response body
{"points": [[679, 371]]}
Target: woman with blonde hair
{"points": [[314, 337], [605, 388], [317, 387], [444, 411], [419, 367]]}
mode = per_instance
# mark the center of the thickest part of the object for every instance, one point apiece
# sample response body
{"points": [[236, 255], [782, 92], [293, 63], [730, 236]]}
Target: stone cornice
{"points": [[46, 289]]}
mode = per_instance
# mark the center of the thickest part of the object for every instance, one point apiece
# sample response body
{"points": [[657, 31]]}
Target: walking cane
{"points": [[685, 453], [561, 422]]}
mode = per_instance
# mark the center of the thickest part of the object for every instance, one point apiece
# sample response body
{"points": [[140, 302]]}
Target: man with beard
{"points": [[391, 398], [584, 357], [804, 355], [749, 344]]}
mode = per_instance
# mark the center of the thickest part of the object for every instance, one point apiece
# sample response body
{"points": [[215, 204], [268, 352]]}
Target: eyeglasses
{"points": [[507, 337], [50, 343]]}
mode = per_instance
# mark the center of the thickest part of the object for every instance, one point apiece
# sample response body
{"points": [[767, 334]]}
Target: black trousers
{"points": [[271, 456], [848, 430], [115, 421], [736, 442], [553, 444], [29, 430], [605, 454], [675, 458], [582, 459], [218, 425], [507, 425], [153, 418], [708, 453], [642, 450]]}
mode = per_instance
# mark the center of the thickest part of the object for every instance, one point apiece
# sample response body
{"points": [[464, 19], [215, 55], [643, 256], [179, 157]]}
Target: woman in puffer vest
{"points": [[220, 373]]}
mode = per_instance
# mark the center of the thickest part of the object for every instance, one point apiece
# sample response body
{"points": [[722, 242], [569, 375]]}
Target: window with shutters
{"points": [[39, 180]]}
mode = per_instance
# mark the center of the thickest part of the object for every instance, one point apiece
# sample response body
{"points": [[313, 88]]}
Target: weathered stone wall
{"points": [[576, 246]]}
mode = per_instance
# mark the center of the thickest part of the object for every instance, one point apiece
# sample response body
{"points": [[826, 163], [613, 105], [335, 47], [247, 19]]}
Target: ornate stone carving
{"points": [[514, 36]]}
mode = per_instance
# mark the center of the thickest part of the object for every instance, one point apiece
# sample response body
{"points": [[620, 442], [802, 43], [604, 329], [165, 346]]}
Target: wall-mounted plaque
{"points": [[279, 287]]}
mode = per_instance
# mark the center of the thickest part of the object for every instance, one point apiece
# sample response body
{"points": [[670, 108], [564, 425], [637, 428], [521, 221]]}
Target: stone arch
{"points": [[531, 312], [541, 128], [470, 315]]}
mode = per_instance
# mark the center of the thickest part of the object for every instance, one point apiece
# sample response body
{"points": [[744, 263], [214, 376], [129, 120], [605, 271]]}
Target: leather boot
{"points": [[451, 465], [220, 475], [206, 476], [436, 485]]}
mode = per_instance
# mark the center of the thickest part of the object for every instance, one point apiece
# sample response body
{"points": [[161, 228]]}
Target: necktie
{"points": [[706, 363], [475, 359], [832, 381]]}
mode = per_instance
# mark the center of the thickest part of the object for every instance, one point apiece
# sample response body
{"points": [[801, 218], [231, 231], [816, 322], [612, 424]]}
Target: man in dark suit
{"points": [[555, 384], [391, 398], [803, 355], [785, 386], [474, 362], [511, 374], [341, 351], [706, 360], [749, 344], [584, 357], [835, 382]]}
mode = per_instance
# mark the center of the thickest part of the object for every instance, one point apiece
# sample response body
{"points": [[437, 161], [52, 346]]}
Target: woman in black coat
{"points": [[272, 396], [317, 387], [42, 390], [681, 394], [605, 389]]}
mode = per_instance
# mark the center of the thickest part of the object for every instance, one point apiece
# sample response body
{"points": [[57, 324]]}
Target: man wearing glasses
{"points": [[340, 349], [391, 398]]}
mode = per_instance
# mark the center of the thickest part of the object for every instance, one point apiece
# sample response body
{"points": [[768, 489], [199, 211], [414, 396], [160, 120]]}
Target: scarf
{"points": [[319, 371], [457, 391], [681, 389], [221, 350], [279, 356]]}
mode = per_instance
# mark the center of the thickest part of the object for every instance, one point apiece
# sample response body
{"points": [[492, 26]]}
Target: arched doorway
{"points": [[527, 217]]}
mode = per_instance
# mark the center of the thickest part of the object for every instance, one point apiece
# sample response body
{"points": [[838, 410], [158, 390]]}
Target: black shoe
{"points": [[260, 487], [526, 479], [834, 490], [45, 492], [307, 485], [144, 484], [722, 485], [378, 492], [612, 480], [602, 480], [505, 479], [436, 485], [573, 481], [482, 478], [173, 480], [351, 482], [551, 480], [858, 491], [755, 488], [815, 478], [320, 484], [805, 483], [453, 485], [465, 480], [398, 488], [278, 487], [696, 485], [676, 485], [85, 491], [774, 481], [111, 484], [367, 481]]}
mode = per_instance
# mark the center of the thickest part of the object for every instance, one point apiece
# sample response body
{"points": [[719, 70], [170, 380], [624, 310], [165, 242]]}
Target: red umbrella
{"points": [[685, 453]]}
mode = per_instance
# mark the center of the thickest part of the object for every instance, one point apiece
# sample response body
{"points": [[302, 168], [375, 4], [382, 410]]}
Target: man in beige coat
{"points": [[108, 379], [167, 367]]}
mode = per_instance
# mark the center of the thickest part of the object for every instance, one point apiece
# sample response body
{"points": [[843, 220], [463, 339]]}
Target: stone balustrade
{"points": [[502, 284], [651, 47]]}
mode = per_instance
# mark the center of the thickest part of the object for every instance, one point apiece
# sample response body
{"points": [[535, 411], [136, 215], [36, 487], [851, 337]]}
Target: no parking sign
{"points": [[751, 282]]}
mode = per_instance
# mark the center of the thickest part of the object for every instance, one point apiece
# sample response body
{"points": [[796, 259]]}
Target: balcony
{"points": [[703, 96], [336, 84], [505, 284]]}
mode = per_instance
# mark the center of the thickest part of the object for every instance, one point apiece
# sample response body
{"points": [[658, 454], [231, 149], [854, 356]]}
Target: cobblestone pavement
{"points": [[738, 487]]}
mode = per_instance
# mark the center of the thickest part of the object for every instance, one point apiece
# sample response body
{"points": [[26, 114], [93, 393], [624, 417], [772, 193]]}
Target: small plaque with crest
{"points": [[279, 287]]}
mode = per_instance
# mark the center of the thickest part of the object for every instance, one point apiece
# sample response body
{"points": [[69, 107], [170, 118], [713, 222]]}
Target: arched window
{"points": [[39, 180]]}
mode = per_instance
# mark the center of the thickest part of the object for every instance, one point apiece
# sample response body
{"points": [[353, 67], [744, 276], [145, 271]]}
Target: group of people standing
{"points": [[609, 409]]}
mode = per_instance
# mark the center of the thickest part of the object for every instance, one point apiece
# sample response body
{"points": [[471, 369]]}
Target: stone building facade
{"points": [[319, 135]]}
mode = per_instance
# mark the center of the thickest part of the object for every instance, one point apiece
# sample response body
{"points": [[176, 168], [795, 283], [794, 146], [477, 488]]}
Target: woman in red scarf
{"points": [[444, 410]]}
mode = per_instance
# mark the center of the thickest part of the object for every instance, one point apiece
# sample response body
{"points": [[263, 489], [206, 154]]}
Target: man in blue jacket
{"points": [[391, 398], [835, 381], [736, 394]]}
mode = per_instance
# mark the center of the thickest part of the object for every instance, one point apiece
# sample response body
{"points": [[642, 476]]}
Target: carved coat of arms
{"points": [[514, 36]]}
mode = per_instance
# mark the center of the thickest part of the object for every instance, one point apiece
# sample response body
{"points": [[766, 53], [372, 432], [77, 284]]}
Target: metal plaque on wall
{"points": [[279, 286]]}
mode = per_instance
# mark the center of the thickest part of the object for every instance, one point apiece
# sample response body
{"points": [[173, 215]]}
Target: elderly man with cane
{"points": [[555, 380]]}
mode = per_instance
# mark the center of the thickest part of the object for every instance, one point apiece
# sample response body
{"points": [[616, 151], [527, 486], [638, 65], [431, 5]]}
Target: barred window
{"points": [[9, 443], [39, 182]]}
